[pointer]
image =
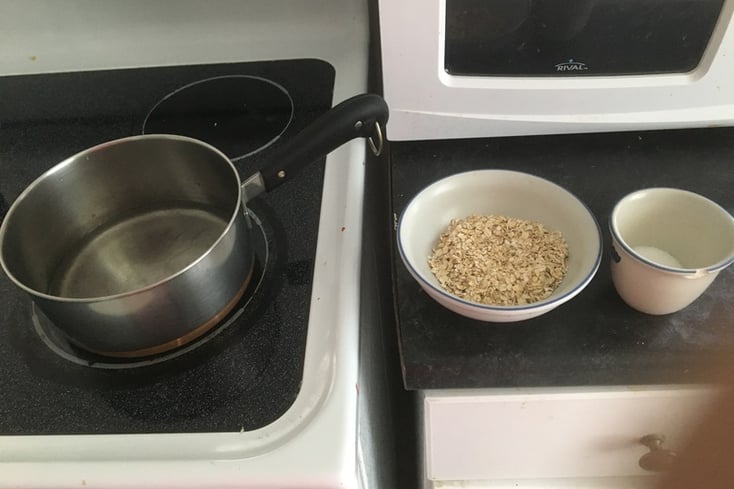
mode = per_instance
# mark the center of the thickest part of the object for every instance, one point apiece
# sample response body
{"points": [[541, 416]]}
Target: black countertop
{"points": [[595, 339]]}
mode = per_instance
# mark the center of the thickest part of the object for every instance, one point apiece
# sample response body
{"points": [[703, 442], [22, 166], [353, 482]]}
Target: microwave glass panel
{"points": [[576, 37]]}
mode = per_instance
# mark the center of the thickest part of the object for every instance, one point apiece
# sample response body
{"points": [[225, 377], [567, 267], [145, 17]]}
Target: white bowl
{"points": [[499, 192]]}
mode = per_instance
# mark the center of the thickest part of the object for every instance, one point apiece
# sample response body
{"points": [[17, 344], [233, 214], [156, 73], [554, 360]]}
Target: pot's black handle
{"points": [[360, 116]]}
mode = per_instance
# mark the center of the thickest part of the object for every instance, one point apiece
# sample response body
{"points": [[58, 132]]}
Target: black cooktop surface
{"points": [[595, 339], [246, 374]]}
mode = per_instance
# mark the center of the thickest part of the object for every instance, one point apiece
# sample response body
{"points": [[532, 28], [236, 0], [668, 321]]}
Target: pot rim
{"points": [[70, 160]]}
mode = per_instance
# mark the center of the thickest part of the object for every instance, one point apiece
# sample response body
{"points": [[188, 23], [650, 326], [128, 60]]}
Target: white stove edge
{"points": [[315, 442]]}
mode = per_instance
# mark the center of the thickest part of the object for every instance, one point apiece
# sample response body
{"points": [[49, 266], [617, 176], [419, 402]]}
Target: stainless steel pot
{"points": [[140, 245]]}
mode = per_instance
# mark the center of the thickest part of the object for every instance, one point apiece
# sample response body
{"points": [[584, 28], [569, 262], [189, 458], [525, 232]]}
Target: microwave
{"points": [[484, 68]]}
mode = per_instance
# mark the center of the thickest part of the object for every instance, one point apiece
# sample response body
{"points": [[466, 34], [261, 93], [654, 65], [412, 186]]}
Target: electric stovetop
{"points": [[247, 372]]}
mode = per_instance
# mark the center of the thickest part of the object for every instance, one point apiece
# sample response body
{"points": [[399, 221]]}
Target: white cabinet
{"points": [[552, 435]]}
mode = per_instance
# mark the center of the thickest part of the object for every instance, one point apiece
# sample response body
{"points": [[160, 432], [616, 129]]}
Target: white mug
{"points": [[668, 246]]}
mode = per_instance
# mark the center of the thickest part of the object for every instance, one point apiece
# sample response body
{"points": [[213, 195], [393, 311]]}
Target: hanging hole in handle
{"points": [[376, 148], [658, 459]]}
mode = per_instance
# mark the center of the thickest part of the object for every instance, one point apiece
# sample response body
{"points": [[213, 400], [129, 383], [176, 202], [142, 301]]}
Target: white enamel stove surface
{"points": [[315, 443]]}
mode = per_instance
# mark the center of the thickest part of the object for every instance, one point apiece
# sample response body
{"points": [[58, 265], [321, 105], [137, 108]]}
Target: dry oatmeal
{"points": [[499, 260]]}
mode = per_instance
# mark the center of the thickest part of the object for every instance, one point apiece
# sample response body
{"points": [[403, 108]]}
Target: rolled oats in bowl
{"points": [[499, 260]]}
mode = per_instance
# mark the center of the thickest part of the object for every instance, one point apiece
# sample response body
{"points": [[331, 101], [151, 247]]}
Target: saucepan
{"points": [[141, 244]]}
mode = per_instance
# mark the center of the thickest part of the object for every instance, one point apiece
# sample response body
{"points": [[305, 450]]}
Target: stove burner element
{"points": [[238, 114], [62, 346]]}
